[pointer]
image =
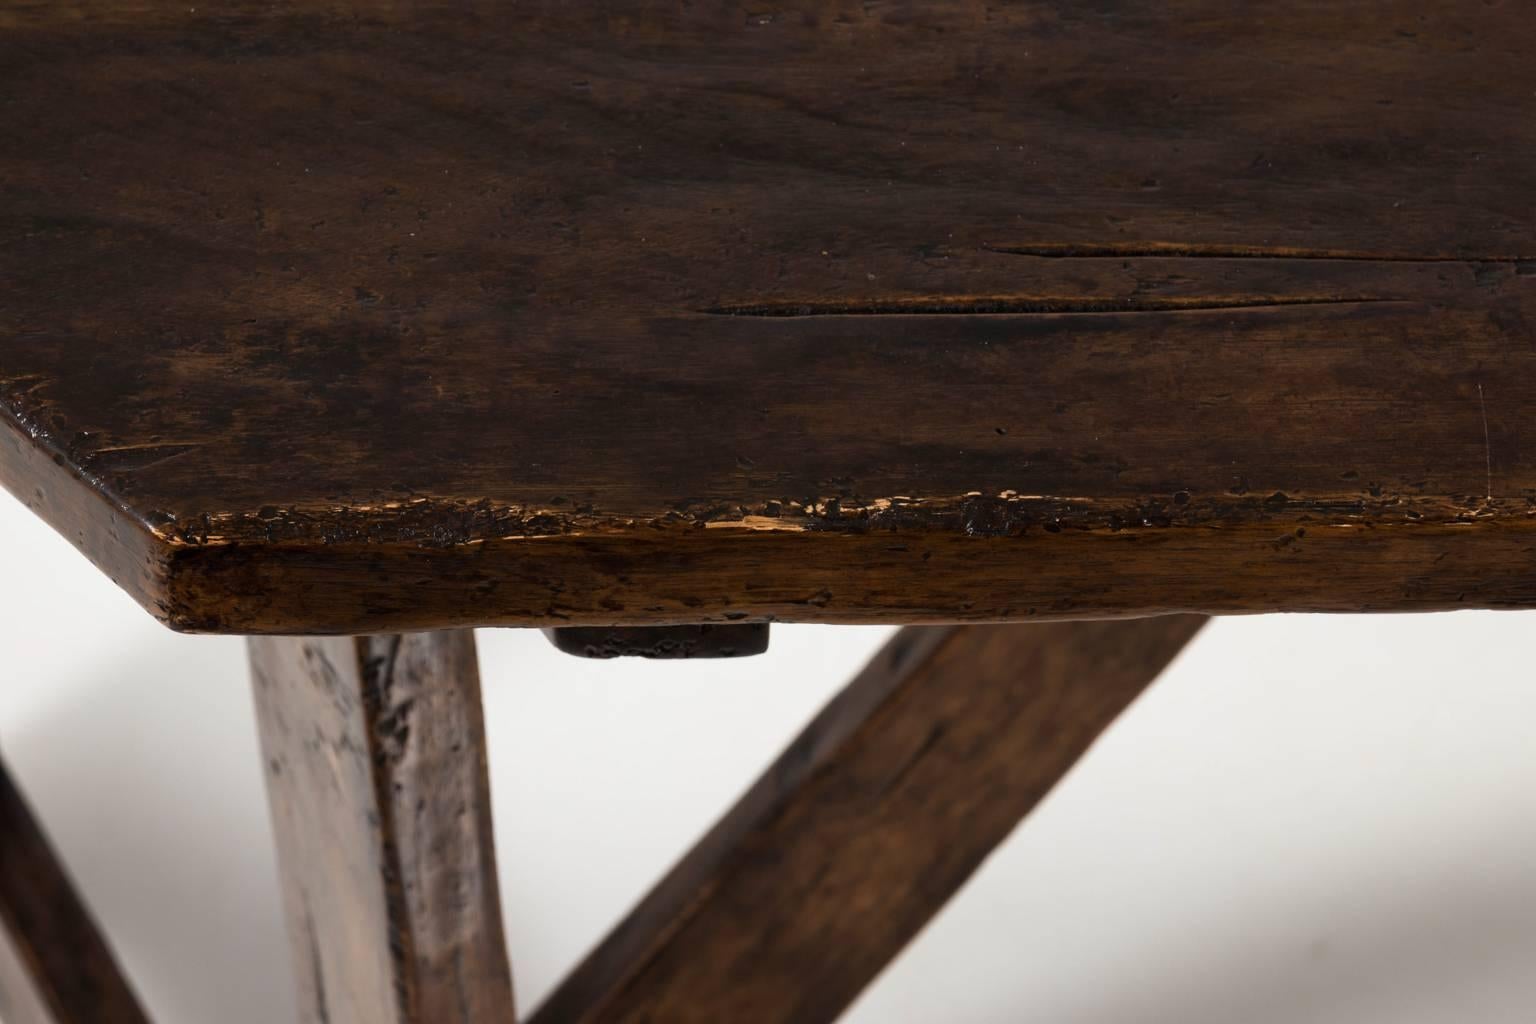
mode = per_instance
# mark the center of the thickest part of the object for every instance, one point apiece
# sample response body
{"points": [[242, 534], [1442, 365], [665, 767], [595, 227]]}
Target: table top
{"points": [[325, 317]]}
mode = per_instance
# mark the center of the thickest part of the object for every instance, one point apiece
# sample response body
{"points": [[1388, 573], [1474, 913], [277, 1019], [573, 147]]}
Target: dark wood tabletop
{"points": [[323, 317]]}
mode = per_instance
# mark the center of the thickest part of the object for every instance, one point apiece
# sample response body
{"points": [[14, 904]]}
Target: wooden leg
{"points": [[867, 824], [376, 769], [55, 968]]}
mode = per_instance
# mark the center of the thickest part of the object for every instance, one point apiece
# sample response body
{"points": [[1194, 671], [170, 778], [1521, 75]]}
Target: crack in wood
{"points": [[1012, 306], [1180, 250], [388, 731]]}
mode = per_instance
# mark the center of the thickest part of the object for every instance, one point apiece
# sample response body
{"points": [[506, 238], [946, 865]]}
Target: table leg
{"points": [[376, 770]]}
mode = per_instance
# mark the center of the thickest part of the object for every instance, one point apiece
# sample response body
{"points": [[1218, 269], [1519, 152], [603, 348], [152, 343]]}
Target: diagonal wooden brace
{"points": [[867, 824]]}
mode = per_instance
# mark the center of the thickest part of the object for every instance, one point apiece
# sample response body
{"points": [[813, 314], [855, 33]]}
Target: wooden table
{"points": [[355, 326]]}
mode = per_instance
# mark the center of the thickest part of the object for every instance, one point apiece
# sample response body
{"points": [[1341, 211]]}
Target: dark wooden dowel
{"points": [[867, 824], [55, 967], [705, 640], [376, 769]]}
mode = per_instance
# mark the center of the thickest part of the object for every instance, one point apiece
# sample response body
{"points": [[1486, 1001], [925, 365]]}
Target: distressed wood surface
{"points": [[867, 824], [55, 967], [326, 317], [376, 769]]}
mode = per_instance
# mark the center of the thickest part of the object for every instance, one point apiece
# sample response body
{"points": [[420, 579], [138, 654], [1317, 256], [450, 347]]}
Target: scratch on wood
{"points": [[753, 522], [317, 970], [127, 458], [1487, 447]]}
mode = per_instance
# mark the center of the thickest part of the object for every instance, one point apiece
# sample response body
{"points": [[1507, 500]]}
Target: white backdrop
{"points": [[1308, 819]]}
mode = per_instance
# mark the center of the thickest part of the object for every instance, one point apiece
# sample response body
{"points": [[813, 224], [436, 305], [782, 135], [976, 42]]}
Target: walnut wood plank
{"points": [[55, 967], [324, 317], [376, 768], [867, 824]]}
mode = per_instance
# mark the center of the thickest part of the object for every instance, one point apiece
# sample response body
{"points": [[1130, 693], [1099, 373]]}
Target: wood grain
{"points": [[334, 317], [867, 824], [55, 967], [376, 768]]}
